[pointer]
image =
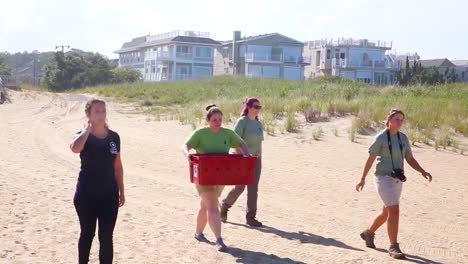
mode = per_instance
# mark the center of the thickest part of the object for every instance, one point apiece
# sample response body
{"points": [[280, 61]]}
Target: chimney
{"points": [[236, 36]]}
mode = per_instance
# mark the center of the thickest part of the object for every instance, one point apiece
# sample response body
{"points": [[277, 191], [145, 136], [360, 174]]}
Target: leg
{"points": [[392, 223], [87, 215], [210, 199], [202, 218], [231, 198], [233, 195], [252, 192], [379, 220], [107, 217], [369, 234]]}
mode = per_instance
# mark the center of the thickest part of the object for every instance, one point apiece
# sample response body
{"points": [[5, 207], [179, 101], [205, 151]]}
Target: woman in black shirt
{"points": [[100, 189]]}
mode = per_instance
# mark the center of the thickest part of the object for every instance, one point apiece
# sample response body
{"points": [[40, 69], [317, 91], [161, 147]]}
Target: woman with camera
{"points": [[391, 147]]}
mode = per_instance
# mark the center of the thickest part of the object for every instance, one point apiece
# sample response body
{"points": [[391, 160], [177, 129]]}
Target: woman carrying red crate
{"points": [[213, 139], [251, 131]]}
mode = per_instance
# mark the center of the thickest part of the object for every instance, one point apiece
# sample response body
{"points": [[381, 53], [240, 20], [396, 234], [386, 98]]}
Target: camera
{"points": [[399, 174]]}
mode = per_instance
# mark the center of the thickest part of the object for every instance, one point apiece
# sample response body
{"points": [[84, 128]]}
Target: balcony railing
{"points": [[172, 77], [173, 34], [340, 42], [169, 55], [184, 55], [371, 64], [263, 57], [273, 58]]}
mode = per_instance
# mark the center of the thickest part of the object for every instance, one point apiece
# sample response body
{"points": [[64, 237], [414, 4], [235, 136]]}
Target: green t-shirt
{"points": [[204, 141], [251, 131], [380, 149]]}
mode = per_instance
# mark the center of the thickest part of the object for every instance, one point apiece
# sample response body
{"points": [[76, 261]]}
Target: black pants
{"points": [[104, 211]]}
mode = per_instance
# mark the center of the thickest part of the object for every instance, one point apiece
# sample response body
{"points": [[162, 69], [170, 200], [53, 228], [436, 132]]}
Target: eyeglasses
{"points": [[258, 107]]}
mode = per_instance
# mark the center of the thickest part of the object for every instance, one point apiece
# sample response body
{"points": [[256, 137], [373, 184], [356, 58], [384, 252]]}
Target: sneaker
{"points": [[254, 222], [220, 246], [200, 237], [368, 236], [395, 252], [223, 212]]}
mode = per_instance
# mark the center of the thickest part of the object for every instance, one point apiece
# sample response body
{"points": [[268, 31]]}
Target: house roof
{"points": [[141, 42], [131, 45], [460, 62], [437, 63], [251, 38], [197, 40]]}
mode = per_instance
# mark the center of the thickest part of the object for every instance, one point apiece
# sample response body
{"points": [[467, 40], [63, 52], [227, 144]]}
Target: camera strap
{"points": [[389, 140]]}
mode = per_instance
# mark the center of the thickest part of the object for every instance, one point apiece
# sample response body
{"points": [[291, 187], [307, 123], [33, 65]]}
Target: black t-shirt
{"points": [[97, 175]]}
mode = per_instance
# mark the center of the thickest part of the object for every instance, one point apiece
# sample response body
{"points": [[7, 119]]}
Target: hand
{"points": [[189, 157], [121, 200], [88, 126], [360, 185], [427, 175]]}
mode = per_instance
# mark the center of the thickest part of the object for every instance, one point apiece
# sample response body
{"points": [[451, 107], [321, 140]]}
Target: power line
{"points": [[62, 47]]}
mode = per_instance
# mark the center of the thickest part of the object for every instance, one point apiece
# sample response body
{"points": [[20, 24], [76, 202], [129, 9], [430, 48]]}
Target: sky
{"points": [[433, 29]]}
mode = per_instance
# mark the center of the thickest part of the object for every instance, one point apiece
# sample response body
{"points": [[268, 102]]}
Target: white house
{"points": [[352, 59], [177, 55], [461, 68]]}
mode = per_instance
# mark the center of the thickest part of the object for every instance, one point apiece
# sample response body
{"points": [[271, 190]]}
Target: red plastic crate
{"points": [[222, 169]]}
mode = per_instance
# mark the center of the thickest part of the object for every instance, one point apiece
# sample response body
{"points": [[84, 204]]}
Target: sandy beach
{"points": [[307, 200]]}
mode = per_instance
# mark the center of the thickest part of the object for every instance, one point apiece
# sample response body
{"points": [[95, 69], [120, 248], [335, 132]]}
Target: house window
{"points": [[337, 54], [183, 49], [242, 51], [342, 55], [328, 54], [317, 58], [225, 52], [202, 71], [203, 52]]}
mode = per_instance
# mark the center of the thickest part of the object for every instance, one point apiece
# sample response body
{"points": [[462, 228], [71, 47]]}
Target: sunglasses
{"points": [[258, 107]]}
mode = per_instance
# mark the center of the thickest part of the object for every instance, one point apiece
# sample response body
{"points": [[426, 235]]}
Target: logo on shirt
{"points": [[113, 147]]}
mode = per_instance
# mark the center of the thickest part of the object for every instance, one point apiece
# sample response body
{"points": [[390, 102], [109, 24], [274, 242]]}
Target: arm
{"points": [[244, 149], [119, 176], [367, 167], [239, 129], [79, 141], [186, 151], [415, 165]]}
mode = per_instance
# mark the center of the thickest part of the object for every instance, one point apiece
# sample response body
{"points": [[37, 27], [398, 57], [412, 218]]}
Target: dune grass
{"points": [[428, 108]]}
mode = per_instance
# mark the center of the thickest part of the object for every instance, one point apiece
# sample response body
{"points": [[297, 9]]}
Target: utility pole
{"points": [[34, 72], [62, 47], [35, 62]]}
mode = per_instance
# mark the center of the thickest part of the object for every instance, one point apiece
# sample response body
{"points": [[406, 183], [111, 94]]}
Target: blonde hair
{"points": [[89, 105]]}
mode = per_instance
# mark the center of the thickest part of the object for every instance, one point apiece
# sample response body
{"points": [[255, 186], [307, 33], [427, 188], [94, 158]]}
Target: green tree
{"points": [[125, 75], [5, 71], [76, 69]]}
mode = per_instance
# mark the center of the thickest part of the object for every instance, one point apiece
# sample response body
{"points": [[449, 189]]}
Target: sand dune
{"points": [[307, 199]]}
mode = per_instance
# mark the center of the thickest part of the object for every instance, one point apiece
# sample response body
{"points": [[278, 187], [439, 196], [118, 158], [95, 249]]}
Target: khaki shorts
{"points": [[389, 190], [209, 188]]}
